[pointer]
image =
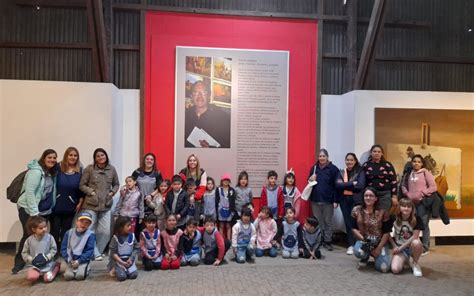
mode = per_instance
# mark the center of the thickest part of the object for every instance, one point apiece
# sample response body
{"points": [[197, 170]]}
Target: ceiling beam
{"points": [[425, 59], [93, 41], [374, 33], [139, 7], [101, 40], [45, 45], [97, 39], [52, 3], [351, 35]]}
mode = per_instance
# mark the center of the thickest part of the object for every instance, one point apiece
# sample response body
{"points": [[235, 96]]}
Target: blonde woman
{"points": [[193, 170], [69, 197]]}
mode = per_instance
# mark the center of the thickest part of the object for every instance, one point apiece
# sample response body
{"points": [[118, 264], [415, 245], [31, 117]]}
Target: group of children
{"points": [[185, 231]]}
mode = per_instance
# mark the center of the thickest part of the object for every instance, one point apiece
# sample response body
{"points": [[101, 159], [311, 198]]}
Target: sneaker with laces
{"points": [[99, 258], [350, 250], [417, 270]]}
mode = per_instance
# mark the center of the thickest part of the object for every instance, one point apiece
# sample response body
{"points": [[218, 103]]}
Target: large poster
{"points": [[232, 110]]}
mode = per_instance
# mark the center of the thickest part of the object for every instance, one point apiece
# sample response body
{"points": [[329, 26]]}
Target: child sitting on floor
{"points": [[266, 229], [406, 241], [150, 244], [214, 244], [170, 244], [123, 251], [310, 240], [190, 243], [244, 236], [39, 251], [289, 232], [77, 248]]}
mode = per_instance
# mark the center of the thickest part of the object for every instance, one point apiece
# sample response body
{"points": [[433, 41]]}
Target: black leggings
{"points": [[60, 223], [150, 265]]}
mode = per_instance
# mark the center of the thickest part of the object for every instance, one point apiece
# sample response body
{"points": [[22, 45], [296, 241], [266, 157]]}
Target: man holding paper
{"points": [[206, 125]]}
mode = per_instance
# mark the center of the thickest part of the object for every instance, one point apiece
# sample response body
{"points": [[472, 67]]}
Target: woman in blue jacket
{"points": [[350, 183], [69, 197], [323, 195], [37, 197]]}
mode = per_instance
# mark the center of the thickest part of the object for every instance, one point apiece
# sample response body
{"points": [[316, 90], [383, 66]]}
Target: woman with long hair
{"points": [[380, 175], [418, 186], [193, 170], [37, 196], [99, 182], [69, 197], [350, 183], [371, 229]]}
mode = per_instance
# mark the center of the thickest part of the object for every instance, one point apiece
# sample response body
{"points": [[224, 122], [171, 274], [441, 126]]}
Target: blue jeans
{"points": [[191, 259], [347, 203], [272, 252], [242, 253], [382, 262]]}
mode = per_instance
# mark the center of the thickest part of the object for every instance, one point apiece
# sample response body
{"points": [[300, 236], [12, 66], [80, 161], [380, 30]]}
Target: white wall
{"points": [[36, 115], [347, 125]]}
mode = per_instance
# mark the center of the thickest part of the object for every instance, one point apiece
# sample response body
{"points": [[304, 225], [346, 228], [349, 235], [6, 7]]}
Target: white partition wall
{"points": [[348, 125], [36, 115]]}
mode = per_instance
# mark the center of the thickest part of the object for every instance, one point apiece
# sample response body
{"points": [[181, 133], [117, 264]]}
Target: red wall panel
{"points": [[164, 31]]}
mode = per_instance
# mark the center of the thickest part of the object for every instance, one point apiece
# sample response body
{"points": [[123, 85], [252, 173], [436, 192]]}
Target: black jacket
{"points": [[231, 197], [182, 205]]}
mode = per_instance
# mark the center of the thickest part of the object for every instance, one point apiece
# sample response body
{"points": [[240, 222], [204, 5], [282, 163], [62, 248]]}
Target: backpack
{"points": [[14, 190]]}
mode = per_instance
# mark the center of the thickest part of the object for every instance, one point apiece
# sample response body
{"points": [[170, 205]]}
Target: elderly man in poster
{"points": [[206, 125]]}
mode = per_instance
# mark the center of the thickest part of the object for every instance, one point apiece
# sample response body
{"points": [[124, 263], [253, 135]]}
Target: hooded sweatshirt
{"points": [[419, 185], [33, 190]]}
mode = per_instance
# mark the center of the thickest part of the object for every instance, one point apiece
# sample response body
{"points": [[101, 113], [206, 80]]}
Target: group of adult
{"points": [[373, 185], [58, 191]]}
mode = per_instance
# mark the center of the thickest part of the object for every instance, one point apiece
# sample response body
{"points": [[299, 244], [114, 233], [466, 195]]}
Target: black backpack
{"points": [[14, 190]]}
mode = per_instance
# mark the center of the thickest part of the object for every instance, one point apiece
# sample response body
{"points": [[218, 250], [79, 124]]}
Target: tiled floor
{"points": [[448, 270]]}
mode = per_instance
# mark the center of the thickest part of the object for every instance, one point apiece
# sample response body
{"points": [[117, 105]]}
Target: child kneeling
{"points": [[170, 238], [311, 240], [215, 246], [190, 243], [266, 229], [406, 242], [150, 244], [77, 248], [123, 251], [290, 234], [39, 251], [244, 236]]}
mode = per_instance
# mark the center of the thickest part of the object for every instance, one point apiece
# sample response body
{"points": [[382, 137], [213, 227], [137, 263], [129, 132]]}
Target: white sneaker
{"points": [[417, 270], [99, 258], [350, 250], [425, 252]]}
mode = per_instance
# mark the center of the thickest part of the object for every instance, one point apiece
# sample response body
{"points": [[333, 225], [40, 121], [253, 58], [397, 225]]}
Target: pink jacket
{"points": [[266, 231], [419, 185]]}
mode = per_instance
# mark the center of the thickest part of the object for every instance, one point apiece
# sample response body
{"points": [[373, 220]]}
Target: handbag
{"points": [[307, 190]]}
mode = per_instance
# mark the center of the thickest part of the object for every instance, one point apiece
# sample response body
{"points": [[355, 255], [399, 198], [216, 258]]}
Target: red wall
{"points": [[164, 31]]}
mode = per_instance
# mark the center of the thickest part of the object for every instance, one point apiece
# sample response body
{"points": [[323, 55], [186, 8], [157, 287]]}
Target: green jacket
{"points": [[33, 188], [99, 185]]}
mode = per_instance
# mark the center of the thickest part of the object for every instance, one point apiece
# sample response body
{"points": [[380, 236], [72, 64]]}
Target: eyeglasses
{"points": [[202, 93]]}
